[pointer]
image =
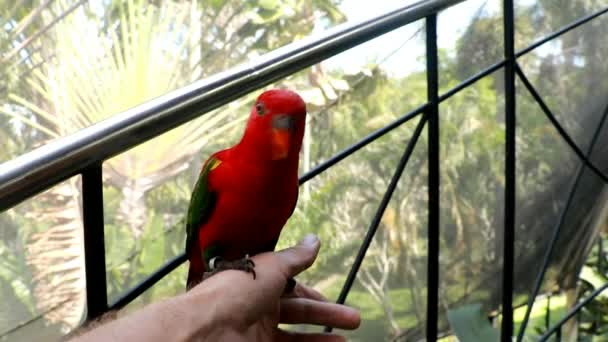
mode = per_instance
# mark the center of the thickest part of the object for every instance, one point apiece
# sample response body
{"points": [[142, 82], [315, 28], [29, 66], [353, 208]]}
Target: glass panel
{"points": [[42, 279], [547, 170], [536, 19], [472, 200], [147, 192], [69, 64], [569, 74], [339, 208], [470, 39], [396, 53], [390, 289], [385, 75]]}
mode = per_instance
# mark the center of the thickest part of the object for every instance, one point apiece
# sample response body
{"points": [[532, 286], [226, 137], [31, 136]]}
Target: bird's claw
{"points": [[245, 264]]}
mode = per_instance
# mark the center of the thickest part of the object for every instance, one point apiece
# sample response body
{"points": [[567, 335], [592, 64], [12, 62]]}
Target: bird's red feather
{"points": [[254, 193]]}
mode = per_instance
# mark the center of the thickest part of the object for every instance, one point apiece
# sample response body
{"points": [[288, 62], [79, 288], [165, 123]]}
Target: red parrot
{"points": [[245, 194]]}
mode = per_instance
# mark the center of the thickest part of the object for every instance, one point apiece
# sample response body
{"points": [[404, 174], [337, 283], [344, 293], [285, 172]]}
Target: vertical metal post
{"points": [[433, 181], [509, 214], [562, 218], [94, 250]]}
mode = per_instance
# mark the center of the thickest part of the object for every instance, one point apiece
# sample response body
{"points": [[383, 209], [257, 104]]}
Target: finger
{"points": [[290, 336], [308, 311], [296, 259]]}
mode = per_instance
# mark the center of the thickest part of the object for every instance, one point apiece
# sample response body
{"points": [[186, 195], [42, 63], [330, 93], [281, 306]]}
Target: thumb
{"points": [[296, 259]]}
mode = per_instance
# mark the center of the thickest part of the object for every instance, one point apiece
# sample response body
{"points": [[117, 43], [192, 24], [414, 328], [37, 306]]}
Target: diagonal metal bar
{"points": [[148, 282], [153, 278], [561, 31], [492, 68], [94, 250], [548, 253], [557, 125], [360, 144], [510, 145], [373, 227], [562, 218], [432, 299], [171, 265], [571, 313]]}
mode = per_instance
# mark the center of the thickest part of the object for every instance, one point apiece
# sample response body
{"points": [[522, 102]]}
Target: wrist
{"points": [[205, 317]]}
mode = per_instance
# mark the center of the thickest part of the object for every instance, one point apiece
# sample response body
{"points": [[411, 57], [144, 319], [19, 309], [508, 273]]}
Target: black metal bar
{"points": [[562, 219], [62, 158], [559, 127], [572, 312], [405, 118], [28, 174], [561, 31], [373, 227], [509, 214], [360, 144], [153, 278], [94, 250], [549, 253], [492, 68], [432, 77], [327, 164], [148, 282]]}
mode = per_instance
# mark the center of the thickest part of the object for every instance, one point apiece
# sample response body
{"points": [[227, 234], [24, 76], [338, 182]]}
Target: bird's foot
{"points": [[217, 265]]}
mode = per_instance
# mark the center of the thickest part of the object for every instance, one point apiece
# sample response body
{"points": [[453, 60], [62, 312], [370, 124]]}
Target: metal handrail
{"points": [[46, 166]]}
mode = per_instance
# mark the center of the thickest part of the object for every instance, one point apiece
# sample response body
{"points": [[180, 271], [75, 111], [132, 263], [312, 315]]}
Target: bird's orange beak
{"points": [[282, 126]]}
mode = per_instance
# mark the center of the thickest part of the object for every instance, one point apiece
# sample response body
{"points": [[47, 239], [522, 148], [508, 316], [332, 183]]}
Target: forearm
{"points": [[182, 318]]}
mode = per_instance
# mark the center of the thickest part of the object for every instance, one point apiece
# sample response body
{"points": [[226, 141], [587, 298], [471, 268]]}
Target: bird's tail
{"points": [[196, 269], [194, 278]]}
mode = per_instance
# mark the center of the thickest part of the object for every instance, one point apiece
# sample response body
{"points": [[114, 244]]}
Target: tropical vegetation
{"points": [[70, 64]]}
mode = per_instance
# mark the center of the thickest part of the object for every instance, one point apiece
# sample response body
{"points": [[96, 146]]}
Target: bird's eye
{"points": [[259, 108]]}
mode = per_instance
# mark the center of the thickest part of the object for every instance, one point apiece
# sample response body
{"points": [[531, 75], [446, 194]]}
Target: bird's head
{"points": [[276, 125]]}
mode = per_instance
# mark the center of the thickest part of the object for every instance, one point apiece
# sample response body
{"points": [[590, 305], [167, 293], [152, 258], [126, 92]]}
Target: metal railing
{"points": [[85, 151]]}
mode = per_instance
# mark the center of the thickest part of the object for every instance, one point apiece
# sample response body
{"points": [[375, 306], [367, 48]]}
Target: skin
{"points": [[218, 311]]}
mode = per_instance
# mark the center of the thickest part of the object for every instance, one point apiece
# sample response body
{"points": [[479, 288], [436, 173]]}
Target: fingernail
{"points": [[309, 240]]}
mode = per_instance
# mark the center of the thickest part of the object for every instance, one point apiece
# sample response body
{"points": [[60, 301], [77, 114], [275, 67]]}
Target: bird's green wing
{"points": [[201, 203]]}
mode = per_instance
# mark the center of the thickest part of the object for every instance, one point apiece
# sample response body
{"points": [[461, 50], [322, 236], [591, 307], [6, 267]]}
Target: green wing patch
{"points": [[201, 203]]}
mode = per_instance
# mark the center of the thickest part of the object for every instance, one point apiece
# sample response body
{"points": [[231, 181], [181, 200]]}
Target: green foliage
{"points": [[593, 318], [147, 189]]}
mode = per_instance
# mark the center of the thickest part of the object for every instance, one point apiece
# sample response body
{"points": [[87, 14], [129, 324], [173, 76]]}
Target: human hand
{"points": [[245, 309]]}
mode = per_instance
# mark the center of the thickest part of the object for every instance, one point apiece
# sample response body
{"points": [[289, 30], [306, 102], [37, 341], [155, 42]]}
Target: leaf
{"points": [[470, 324]]}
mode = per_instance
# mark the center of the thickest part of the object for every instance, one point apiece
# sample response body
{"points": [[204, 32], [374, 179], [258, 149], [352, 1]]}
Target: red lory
{"points": [[245, 194]]}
